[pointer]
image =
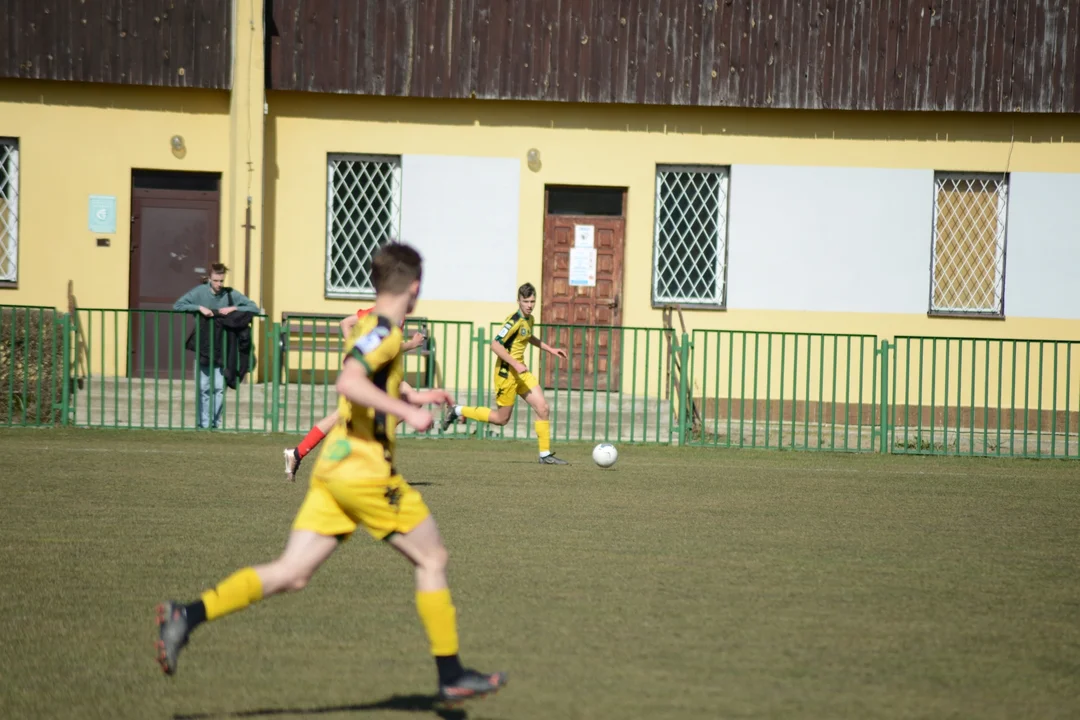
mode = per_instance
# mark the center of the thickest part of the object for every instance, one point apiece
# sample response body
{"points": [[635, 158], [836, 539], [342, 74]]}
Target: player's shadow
{"points": [[404, 703], [422, 483]]}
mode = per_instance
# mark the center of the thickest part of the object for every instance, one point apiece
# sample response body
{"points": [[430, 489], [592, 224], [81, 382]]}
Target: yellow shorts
{"points": [[508, 388], [383, 506]]}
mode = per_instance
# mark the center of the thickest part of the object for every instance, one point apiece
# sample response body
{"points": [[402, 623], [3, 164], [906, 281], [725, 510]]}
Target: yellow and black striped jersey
{"points": [[515, 333], [362, 442]]}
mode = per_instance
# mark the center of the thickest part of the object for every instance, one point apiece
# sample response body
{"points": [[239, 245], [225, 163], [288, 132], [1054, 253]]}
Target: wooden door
{"points": [[583, 319], [174, 240]]}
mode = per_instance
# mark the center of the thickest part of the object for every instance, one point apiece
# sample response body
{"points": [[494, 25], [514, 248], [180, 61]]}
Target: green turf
{"points": [[682, 584]]}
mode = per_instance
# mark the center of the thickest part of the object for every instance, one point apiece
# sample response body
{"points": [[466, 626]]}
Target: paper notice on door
{"points": [[584, 236], [583, 267]]}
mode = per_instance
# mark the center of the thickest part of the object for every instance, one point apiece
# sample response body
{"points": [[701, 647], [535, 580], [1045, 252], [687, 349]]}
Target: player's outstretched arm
{"points": [[504, 355], [414, 342], [433, 396], [355, 385], [347, 323], [537, 342]]}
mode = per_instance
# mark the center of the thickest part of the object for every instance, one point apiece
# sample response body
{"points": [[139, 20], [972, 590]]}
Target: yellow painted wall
{"points": [[76, 140], [621, 146]]}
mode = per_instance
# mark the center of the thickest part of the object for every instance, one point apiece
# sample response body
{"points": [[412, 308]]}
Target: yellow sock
{"points": [[440, 620], [233, 593], [476, 413], [543, 435]]}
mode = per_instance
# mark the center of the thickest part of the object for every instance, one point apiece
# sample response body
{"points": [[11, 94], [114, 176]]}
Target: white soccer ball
{"points": [[605, 455]]}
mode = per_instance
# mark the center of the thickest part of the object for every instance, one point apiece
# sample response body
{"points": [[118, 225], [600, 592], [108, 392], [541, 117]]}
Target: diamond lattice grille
{"points": [[363, 213], [9, 210], [691, 235], [969, 243]]}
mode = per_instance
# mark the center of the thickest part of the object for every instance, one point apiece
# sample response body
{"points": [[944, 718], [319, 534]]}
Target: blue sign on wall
{"points": [[102, 214]]}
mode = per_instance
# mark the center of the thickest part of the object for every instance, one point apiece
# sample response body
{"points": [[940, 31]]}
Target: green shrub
{"points": [[31, 365]]}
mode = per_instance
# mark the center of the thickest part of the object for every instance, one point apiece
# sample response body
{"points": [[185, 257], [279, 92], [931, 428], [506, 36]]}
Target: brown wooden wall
{"points": [[970, 55], [173, 43]]}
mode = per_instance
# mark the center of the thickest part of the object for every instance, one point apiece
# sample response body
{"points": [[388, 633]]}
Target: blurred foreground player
{"points": [[354, 482]]}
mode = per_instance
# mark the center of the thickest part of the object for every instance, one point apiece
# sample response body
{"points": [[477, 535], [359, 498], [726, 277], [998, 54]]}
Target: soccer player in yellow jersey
{"points": [[293, 456], [512, 378], [355, 482]]}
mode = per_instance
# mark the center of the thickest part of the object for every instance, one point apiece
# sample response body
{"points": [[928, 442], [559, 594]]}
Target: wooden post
{"points": [[248, 227]]}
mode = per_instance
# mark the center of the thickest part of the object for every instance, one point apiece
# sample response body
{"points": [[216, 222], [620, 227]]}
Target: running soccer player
{"points": [[355, 482], [315, 435], [512, 378]]}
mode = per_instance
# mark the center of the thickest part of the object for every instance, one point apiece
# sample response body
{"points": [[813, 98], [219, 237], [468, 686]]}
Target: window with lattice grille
{"points": [[968, 274], [690, 245], [363, 212], [9, 210]]}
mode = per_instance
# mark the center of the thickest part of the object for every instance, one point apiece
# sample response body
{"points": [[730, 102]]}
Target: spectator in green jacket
{"points": [[212, 298]]}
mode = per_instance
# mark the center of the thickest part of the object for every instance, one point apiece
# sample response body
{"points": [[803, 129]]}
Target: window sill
{"points": [[688, 306], [964, 315], [8, 285], [349, 296]]}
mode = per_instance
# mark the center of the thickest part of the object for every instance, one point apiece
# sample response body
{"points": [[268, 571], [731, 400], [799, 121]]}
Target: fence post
{"points": [[67, 377], [684, 348], [275, 378], [884, 420], [480, 355]]}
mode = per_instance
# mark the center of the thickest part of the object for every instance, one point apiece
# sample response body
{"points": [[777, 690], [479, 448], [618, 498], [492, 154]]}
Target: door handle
{"points": [[613, 303]]}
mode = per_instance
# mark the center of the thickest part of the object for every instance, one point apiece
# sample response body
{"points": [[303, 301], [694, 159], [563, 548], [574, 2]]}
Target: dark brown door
{"points": [[174, 240], [584, 317]]}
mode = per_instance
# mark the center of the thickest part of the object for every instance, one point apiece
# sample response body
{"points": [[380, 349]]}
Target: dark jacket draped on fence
{"points": [[229, 337]]}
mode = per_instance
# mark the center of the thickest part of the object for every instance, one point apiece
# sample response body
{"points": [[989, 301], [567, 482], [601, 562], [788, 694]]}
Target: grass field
{"points": [[681, 584]]}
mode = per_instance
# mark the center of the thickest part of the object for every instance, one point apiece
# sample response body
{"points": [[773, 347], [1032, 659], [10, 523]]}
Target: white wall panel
{"points": [[461, 213], [1042, 247], [830, 239]]}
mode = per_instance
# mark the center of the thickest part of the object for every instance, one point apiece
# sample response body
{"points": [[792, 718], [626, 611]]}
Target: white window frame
{"points": [[358, 290], [662, 296], [1003, 183], [9, 227]]}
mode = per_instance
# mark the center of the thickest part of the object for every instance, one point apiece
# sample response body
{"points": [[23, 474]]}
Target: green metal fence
{"points": [[717, 388], [139, 370], [800, 391], [981, 396]]}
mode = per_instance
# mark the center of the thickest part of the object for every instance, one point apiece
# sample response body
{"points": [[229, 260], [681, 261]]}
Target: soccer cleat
{"points": [[552, 460], [292, 464], [471, 684], [450, 416], [172, 634]]}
